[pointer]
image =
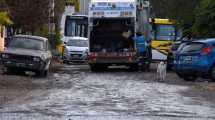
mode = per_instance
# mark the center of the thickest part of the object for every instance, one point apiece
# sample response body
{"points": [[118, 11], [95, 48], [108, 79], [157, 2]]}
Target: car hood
{"points": [[76, 49], [27, 52]]}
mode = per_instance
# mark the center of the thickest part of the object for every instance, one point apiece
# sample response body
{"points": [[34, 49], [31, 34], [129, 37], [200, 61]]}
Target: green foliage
{"points": [[194, 16], [29, 15], [32, 16], [204, 24], [5, 19], [57, 37]]}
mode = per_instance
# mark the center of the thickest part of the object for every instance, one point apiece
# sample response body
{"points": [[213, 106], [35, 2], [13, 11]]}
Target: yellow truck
{"points": [[164, 33]]}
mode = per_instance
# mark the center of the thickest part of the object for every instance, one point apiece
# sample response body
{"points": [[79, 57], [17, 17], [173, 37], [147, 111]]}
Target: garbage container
{"points": [[60, 49]]}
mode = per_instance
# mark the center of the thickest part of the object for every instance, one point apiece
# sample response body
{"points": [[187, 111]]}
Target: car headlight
{"points": [[66, 51], [36, 59], [5, 56], [86, 52], [43, 57]]}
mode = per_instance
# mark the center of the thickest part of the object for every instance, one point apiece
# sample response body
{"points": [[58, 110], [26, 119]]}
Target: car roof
{"points": [[206, 41], [77, 15], [32, 37], [79, 38]]}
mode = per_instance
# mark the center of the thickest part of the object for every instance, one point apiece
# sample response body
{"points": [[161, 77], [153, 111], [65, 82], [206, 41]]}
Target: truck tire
{"points": [[93, 68], [134, 67]]}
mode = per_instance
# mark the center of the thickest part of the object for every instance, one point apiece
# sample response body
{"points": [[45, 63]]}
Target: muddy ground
{"points": [[73, 92]]}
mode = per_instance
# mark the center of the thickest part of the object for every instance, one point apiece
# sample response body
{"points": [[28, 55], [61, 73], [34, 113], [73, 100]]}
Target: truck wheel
{"points": [[148, 67], [213, 74], [93, 68], [134, 67]]}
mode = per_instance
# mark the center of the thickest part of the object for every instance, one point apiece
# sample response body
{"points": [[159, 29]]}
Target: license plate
{"points": [[187, 58], [76, 56]]}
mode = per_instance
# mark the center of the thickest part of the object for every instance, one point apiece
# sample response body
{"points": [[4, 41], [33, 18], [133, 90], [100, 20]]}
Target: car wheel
{"points": [[187, 77], [45, 71], [190, 78], [42, 73], [169, 67], [9, 70], [213, 74]]}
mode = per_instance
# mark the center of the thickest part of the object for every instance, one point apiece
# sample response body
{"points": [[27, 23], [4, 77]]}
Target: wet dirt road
{"points": [[75, 93]]}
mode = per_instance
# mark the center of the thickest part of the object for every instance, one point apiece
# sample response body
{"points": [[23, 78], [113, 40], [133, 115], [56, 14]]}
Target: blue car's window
{"points": [[193, 47]]}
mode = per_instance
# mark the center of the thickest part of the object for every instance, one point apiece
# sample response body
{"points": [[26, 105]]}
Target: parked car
{"points": [[76, 50], [196, 59], [172, 53], [29, 53]]}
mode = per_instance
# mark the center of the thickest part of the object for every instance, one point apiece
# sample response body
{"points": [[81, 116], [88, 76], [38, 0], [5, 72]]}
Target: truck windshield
{"points": [[112, 35], [166, 32], [76, 26], [78, 43], [27, 43]]}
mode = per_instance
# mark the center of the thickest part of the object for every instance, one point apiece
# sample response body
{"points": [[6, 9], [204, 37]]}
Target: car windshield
{"points": [[192, 47], [78, 43], [27, 43]]}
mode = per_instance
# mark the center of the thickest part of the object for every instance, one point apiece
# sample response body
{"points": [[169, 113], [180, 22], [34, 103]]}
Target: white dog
{"points": [[161, 71]]}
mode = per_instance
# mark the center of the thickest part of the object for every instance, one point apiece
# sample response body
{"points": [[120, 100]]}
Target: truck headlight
{"points": [[6, 56], [36, 59]]}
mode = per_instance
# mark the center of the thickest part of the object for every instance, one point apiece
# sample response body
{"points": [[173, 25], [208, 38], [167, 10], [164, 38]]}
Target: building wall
{"points": [[84, 7]]}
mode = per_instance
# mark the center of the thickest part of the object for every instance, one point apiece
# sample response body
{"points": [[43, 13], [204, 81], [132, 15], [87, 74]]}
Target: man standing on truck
{"points": [[141, 44], [139, 41]]}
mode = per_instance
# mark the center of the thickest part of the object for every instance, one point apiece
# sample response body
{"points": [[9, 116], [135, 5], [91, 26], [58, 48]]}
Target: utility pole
{"points": [[51, 21]]}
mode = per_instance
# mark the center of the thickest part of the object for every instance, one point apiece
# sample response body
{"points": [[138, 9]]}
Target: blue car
{"points": [[196, 59]]}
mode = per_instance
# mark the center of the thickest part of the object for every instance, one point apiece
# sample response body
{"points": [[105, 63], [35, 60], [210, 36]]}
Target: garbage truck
{"points": [[112, 26]]}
